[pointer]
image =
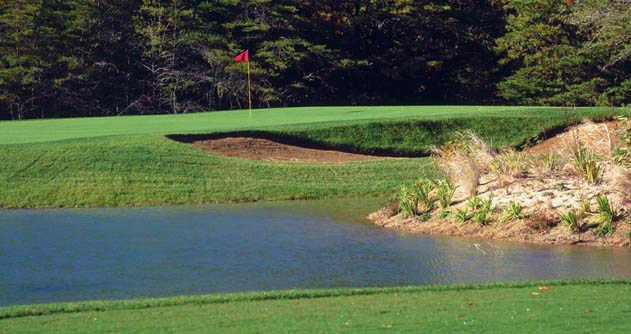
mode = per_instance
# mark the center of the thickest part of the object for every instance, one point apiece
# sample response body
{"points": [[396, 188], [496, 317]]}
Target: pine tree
{"points": [[20, 66]]}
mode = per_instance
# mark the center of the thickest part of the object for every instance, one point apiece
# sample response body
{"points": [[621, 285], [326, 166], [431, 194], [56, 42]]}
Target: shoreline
{"points": [[521, 231]]}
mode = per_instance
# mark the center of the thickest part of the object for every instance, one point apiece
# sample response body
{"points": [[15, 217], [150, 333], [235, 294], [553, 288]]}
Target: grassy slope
{"points": [[567, 307], [120, 161]]}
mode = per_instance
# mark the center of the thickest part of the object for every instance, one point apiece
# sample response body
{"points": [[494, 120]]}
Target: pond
{"points": [[85, 254]]}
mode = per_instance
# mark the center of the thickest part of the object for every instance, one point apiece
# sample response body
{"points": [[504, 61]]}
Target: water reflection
{"points": [[62, 255]]}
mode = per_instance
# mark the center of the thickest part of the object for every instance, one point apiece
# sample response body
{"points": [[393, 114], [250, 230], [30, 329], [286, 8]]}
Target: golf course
{"points": [[129, 161], [135, 162], [260, 166], [550, 307]]}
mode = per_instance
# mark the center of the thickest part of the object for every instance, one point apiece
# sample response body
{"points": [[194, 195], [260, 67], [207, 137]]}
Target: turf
{"points": [[540, 307], [128, 161]]}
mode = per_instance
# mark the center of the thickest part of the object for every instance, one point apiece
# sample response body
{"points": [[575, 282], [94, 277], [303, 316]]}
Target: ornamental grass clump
{"points": [[462, 215], [514, 211], [481, 210], [424, 190], [509, 165], [474, 203], [606, 215], [445, 193], [408, 201], [461, 160], [546, 164], [622, 154], [586, 165], [572, 220]]}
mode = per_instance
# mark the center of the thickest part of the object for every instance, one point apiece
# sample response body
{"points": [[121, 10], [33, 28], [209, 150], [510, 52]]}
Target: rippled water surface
{"points": [[66, 255]]}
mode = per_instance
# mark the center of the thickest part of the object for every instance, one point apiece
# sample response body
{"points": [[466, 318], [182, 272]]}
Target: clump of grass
{"points": [[622, 154], [572, 220], [462, 159], [445, 193], [586, 204], [424, 188], [514, 211], [587, 166], [462, 216], [444, 214], [408, 201], [546, 164], [482, 217], [474, 203], [425, 217], [510, 164], [607, 214], [476, 147], [481, 210]]}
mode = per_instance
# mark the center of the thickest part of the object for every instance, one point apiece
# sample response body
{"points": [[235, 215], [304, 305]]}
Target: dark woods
{"points": [[63, 58]]}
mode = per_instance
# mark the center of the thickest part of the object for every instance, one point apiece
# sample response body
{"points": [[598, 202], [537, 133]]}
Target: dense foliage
{"points": [[107, 57], [577, 54]]}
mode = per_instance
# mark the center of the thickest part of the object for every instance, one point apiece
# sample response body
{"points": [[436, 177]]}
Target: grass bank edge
{"points": [[11, 312]]}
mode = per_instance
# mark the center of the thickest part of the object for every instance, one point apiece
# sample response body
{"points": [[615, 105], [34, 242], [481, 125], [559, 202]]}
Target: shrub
{"points": [[514, 211], [445, 193], [587, 166], [408, 201]]}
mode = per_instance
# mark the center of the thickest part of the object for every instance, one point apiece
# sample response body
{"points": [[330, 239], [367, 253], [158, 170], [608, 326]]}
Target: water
{"points": [[68, 255]]}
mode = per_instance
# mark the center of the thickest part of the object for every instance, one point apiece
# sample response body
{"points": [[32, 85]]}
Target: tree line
{"points": [[62, 58]]}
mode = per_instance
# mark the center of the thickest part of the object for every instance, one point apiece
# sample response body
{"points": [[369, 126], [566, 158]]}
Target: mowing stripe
{"points": [[138, 304]]}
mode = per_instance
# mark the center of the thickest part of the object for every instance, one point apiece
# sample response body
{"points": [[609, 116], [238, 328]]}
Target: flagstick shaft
{"points": [[249, 90]]}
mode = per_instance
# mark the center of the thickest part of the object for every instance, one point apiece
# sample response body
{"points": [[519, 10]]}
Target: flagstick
{"points": [[249, 90]]}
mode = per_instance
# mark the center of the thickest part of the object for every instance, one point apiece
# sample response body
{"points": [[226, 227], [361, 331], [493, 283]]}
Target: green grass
{"points": [[127, 161], [566, 307]]}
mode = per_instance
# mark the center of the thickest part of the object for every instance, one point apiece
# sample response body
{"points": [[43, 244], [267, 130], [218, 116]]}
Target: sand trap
{"points": [[269, 150]]}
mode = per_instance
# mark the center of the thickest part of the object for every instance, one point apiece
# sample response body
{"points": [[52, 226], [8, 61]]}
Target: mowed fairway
{"points": [[128, 161], [553, 307]]}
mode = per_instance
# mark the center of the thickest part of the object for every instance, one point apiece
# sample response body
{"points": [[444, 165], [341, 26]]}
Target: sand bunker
{"points": [[269, 150], [543, 196]]}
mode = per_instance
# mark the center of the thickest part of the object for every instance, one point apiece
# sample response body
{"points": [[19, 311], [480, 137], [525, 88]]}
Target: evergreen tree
{"points": [[560, 61]]}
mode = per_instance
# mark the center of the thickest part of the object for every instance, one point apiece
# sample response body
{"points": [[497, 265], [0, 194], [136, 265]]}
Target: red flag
{"points": [[243, 57]]}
